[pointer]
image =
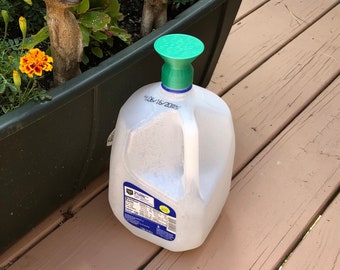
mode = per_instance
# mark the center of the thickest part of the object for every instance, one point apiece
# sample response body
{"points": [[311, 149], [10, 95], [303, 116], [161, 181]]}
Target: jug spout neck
{"points": [[178, 52]]}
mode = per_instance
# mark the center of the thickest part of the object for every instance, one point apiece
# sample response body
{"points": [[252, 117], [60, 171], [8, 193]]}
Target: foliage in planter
{"points": [[33, 10], [19, 87], [98, 20]]}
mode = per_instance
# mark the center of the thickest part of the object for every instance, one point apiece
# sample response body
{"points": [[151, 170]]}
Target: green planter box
{"points": [[50, 151]]}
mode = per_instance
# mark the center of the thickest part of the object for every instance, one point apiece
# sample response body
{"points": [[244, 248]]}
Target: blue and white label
{"points": [[148, 213]]}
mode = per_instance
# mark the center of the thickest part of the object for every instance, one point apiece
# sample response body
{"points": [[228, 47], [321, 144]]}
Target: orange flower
{"points": [[35, 62]]}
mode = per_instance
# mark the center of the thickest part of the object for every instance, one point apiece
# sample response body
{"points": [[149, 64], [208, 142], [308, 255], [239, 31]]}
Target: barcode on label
{"points": [[171, 225]]}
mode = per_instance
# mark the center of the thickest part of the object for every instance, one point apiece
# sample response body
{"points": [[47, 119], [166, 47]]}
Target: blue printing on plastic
{"points": [[135, 195]]}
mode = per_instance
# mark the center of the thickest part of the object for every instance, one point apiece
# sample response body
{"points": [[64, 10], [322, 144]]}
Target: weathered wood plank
{"points": [[257, 37], [30, 239], [92, 239], [247, 7], [275, 197], [53, 221], [269, 98], [321, 247]]}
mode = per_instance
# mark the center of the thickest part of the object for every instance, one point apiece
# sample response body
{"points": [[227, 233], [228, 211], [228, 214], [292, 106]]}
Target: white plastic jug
{"points": [[172, 154]]}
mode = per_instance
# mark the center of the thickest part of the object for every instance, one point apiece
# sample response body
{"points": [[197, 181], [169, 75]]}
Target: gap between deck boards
{"points": [[327, 83], [287, 156], [240, 57], [320, 249], [312, 226]]}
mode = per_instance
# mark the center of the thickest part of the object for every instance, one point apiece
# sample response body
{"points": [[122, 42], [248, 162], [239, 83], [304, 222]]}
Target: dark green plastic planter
{"points": [[50, 151]]}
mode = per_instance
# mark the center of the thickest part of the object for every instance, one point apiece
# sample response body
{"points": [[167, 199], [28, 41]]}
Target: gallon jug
{"points": [[172, 154]]}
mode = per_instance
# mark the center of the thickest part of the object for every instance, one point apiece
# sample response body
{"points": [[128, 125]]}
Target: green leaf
{"points": [[36, 39], [97, 52], [86, 35], [100, 36], [42, 96], [85, 60], [96, 4], [83, 6], [95, 43], [95, 20], [109, 42], [2, 88], [121, 33], [12, 87], [113, 10]]}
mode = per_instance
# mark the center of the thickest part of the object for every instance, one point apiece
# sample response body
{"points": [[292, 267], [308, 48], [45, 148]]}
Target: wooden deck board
{"points": [[266, 100], [256, 38], [247, 7], [282, 67], [93, 239], [53, 221], [275, 198], [321, 247]]}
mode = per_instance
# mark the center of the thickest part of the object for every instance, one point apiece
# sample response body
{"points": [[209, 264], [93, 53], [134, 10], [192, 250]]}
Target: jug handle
{"points": [[191, 151]]}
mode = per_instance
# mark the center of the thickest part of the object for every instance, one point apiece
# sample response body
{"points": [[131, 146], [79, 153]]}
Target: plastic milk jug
{"points": [[172, 154]]}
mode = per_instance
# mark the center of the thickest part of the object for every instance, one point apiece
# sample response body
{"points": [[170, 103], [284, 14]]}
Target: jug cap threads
{"points": [[178, 51]]}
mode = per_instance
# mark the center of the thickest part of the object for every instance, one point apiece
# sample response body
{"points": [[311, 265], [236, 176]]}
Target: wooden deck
{"points": [[279, 73]]}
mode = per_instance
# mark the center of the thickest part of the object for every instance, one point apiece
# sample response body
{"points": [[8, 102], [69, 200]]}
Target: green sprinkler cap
{"points": [[178, 51]]}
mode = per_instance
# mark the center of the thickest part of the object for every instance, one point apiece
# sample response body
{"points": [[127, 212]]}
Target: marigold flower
{"points": [[35, 62], [23, 26], [16, 79]]}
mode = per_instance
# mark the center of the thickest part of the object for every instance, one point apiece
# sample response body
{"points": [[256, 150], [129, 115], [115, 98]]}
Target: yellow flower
{"points": [[35, 62], [16, 79], [4, 15], [23, 26]]}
